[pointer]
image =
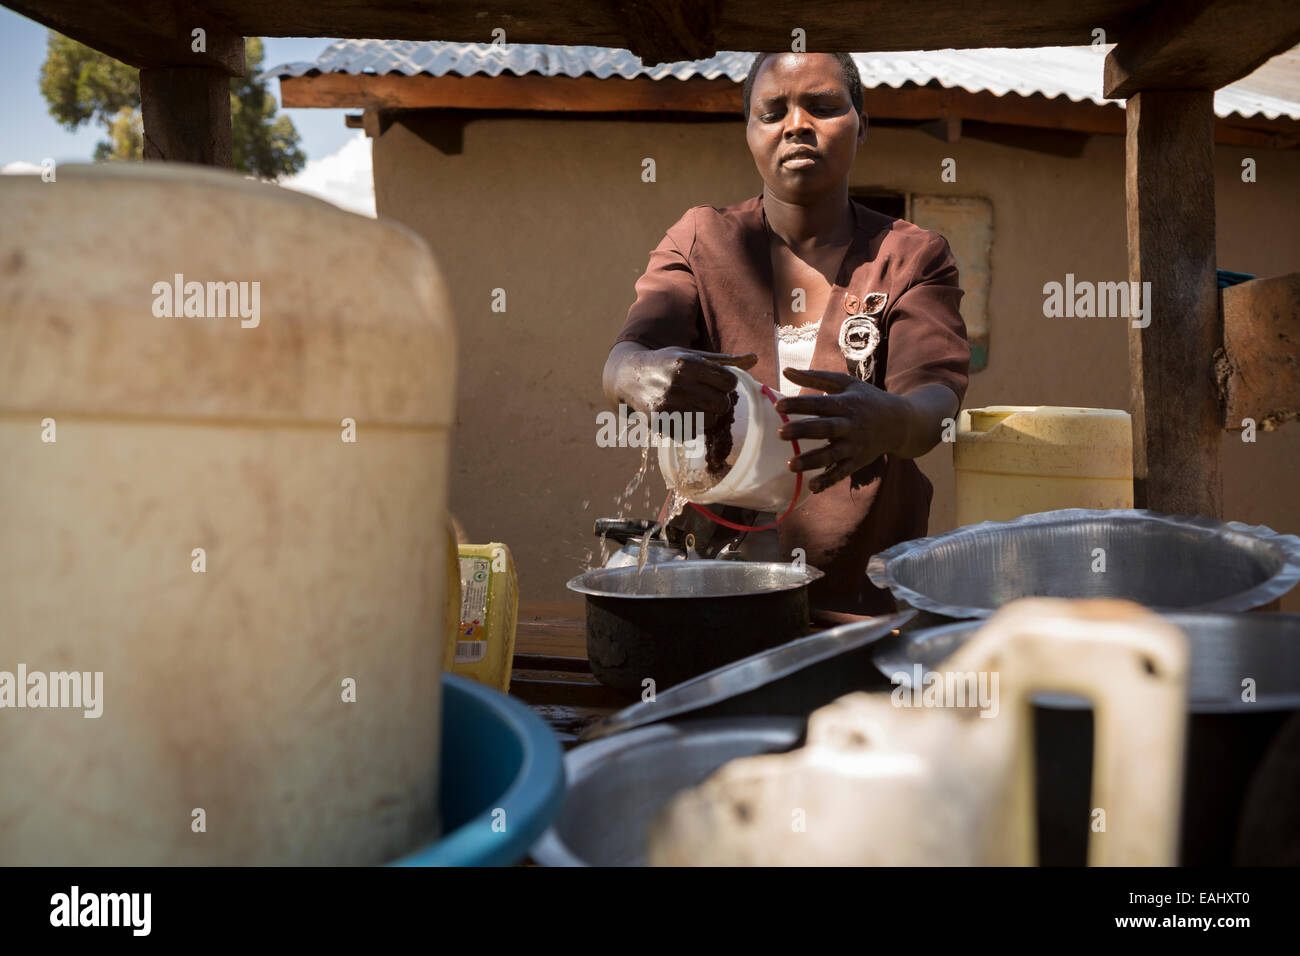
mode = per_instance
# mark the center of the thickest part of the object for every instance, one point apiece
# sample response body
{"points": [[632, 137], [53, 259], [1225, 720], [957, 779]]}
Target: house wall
{"points": [[555, 212]]}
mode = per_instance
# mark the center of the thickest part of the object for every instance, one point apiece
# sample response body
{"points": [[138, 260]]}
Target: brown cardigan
{"points": [[709, 286]]}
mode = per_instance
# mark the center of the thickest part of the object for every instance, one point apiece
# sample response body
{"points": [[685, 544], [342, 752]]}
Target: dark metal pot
{"points": [[1226, 736], [671, 622]]}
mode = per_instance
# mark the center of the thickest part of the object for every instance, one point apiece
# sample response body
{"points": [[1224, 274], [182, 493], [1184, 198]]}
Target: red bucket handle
{"points": [[798, 484]]}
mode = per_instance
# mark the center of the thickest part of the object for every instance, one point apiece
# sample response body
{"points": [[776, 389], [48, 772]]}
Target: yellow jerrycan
{"points": [[483, 619], [1013, 460]]}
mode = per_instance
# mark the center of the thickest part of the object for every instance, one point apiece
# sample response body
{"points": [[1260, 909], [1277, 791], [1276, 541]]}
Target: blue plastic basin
{"points": [[496, 755]]}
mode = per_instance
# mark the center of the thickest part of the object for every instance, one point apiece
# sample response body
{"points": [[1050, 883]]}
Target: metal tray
{"points": [[784, 680]]}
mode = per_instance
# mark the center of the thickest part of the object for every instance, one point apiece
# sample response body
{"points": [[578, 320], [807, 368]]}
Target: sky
{"points": [[338, 158]]}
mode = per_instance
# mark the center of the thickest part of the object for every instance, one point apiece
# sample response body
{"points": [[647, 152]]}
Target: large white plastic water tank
{"points": [[224, 690]]}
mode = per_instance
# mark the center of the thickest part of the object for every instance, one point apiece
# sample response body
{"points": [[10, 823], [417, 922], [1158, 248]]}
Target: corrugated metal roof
{"points": [[1074, 72]]}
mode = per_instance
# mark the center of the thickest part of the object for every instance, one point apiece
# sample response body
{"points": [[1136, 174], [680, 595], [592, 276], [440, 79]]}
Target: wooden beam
{"points": [[563, 94], [1259, 367], [444, 130], [186, 113], [376, 122], [1169, 185], [664, 31], [1200, 44], [143, 33], [830, 25], [1260, 136], [583, 94]]}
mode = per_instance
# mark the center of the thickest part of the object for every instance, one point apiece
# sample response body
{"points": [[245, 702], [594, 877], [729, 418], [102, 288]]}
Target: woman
{"points": [[878, 355]]}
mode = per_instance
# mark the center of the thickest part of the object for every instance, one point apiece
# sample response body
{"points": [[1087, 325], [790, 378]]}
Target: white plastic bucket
{"points": [[757, 478]]}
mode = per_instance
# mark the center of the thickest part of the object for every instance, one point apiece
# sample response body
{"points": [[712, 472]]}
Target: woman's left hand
{"points": [[859, 421]]}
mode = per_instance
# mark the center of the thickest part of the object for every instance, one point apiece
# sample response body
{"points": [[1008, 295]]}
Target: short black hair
{"points": [[852, 78]]}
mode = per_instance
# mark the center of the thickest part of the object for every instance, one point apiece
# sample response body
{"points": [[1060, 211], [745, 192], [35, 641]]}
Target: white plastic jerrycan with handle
{"points": [[950, 782], [754, 473]]}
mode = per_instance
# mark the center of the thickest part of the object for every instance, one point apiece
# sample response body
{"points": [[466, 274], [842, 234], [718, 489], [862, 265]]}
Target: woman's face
{"points": [[802, 127]]}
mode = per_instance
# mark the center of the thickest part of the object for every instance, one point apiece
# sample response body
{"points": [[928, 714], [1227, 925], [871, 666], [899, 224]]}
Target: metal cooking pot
{"points": [[1166, 562], [1227, 736], [673, 621], [617, 785]]}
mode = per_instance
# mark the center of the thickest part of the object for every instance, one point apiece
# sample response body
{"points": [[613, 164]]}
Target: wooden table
{"points": [[551, 673]]}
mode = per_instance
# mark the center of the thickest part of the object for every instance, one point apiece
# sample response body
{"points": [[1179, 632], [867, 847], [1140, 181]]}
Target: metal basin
{"points": [[617, 785], [1227, 736], [1166, 562], [671, 622]]}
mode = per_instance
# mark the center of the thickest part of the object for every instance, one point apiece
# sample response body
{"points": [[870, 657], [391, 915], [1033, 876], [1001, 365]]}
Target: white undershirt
{"points": [[794, 349]]}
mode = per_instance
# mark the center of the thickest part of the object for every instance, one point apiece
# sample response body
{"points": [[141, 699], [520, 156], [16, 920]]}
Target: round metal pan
{"points": [[617, 785], [793, 679], [1165, 562]]}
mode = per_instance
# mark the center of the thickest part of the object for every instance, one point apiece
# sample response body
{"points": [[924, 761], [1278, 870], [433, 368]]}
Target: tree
{"points": [[80, 85]]}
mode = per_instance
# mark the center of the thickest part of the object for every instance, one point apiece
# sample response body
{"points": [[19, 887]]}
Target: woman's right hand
{"points": [[680, 380]]}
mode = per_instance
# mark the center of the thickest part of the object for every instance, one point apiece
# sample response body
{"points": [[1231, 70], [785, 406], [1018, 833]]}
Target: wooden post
{"points": [[186, 113], [1177, 420]]}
